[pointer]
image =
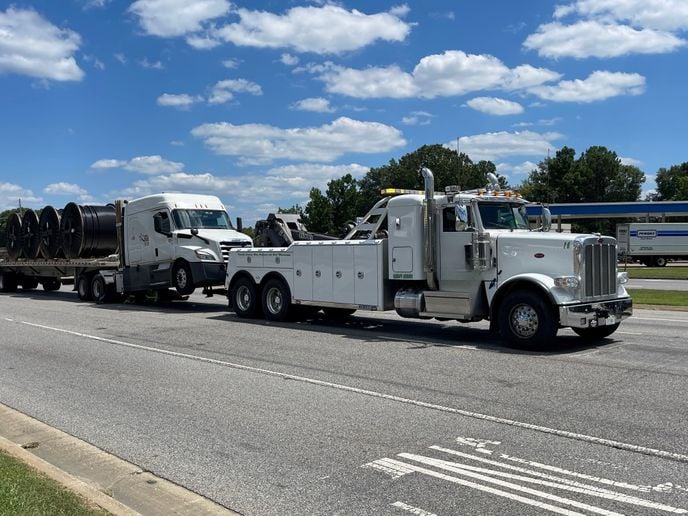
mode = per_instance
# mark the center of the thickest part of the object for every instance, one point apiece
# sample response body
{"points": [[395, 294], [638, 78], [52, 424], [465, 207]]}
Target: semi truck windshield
{"points": [[502, 215], [208, 219]]}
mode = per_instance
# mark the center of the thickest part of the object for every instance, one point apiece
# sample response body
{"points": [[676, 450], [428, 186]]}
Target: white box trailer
{"points": [[653, 243]]}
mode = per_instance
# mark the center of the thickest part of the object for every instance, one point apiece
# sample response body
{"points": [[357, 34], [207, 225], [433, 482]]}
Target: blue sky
{"points": [[259, 101]]}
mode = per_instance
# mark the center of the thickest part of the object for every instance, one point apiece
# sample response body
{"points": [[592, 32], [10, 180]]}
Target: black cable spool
{"points": [[30, 235], [14, 236], [88, 231], [49, 231]]}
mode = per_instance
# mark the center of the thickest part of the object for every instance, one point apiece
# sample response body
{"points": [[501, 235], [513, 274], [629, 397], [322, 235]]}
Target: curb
{"points": [[105, 480]]}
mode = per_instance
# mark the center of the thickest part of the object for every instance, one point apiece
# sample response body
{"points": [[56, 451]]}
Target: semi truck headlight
{"points": [[205, 256], [622, 278], [567, 282]]}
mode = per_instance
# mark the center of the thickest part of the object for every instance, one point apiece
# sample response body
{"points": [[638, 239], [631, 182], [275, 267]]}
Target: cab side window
{"points": [[448, 219], [161, 223]]}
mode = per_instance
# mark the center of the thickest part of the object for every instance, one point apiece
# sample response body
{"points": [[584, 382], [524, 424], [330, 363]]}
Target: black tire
{"points": [[338, 313], [243, 298], [29, 283], [101, 292], [597, 333], [527, 321], [659, 261], [8, 282], [51, 284], [182, 280], [83, 287], [276, 300]]}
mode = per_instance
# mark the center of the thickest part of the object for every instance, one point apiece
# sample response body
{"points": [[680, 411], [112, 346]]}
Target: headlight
{"points": [[567, 282], [205, 256], [621, 278]]}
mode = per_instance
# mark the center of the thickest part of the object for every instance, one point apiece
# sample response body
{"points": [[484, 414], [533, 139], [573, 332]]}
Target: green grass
{"points": [[656, 272], [27, 492], [646, 296]]}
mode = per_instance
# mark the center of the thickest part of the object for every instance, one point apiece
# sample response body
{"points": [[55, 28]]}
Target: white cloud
{"points": [[417, 118], [231, 63], [516, 169], [170, 18], [120, 57], [63, 188], [181, 101], [329, 29], [202, 42], [495, 106], [315, 104], [11, 194], [494, 146], [596, 39], [152, 65], [289, 60], [142, 164], [600, 85], [223, 91], [671, 15], [630, 161], [260, 143], [440, 75], [31, 45]]}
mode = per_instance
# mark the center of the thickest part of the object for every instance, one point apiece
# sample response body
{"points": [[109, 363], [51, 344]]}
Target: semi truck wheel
{"points": [[597, 333], [83, 287], [8, 282], [659, 261], [29, 283], [100, 291], [243, 297], [276, 300], [526, 320], [182, 279], [51, 284]]}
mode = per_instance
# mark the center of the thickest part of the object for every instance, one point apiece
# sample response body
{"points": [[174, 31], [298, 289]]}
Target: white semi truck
{"points": [[157, 242], [465, 256], [653, 243]]}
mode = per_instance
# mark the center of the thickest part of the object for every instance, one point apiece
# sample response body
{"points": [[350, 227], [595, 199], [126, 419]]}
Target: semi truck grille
{"points": [[599, 266], [226, 246]]}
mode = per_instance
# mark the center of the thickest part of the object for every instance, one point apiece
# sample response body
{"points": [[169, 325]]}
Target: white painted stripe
{"points": [[455, 468], [628, 333], [635, 318], [557, 483], [494, 491], [389, 466], [467, 413], [413, 510]]}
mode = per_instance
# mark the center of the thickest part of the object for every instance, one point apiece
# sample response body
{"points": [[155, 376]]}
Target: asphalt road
{"points": [[375, 415]]}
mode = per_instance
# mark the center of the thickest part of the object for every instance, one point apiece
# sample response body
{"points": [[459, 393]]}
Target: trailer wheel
{"points": [[597, 333], [243, 297], [338, 313], [8, 282], [29, 283], [659, 261], [100, 291], [51, 284], [182, 279], [526, 320], [276, 300], [83, 287]]}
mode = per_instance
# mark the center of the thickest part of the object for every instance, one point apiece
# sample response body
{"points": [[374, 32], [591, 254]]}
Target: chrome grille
{"points": [[226, 246], [599, 269]]}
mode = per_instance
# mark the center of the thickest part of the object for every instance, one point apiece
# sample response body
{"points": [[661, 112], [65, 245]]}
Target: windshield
{"points": [[502, 215], [201, 219]]}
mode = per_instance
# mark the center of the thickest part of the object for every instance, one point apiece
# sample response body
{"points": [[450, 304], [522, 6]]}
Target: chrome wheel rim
{"points": [[524, 321], [274, 300], [243, 298], [181, 278]]}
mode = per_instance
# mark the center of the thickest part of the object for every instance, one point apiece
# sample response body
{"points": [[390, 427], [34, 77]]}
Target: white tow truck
{"points": [[465, 256], [159, 241]]}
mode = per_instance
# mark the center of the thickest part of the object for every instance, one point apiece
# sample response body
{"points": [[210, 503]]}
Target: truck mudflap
{"points": [[208, 274], [591, 315]]}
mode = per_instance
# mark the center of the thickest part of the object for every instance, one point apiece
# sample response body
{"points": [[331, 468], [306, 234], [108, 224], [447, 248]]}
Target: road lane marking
{"points": [[635, 318], [390, 397], [413, 510]]}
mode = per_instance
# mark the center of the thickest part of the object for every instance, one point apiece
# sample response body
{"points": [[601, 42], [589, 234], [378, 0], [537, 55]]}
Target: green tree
{"points": [[672, 183], [318, 213]]}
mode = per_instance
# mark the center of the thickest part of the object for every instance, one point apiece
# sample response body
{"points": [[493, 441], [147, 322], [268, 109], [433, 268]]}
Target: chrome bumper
{"points": [[590, 315]]}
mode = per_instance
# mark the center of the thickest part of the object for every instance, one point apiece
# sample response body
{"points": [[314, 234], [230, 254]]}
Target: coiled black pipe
{"points": [[88, 231], [49, 230], [14, 236], [30, 235]]}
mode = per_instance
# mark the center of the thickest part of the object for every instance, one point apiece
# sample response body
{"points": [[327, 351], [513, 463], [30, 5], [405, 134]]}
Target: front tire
{"points": [[182, 279], [243, 297], [527, 321], [276, 301], [597, 333]]}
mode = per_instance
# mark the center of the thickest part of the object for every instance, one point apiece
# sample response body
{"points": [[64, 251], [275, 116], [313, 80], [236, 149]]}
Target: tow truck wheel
{"points": [[526, 320], [51, 284], [597, 333], [276, 301], [182, 279], [243, 298], [8, 282], [83, 287]]}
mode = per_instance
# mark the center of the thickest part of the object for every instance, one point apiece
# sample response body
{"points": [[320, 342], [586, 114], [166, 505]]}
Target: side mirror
{"points": [[194, 231], [546, 219]]}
